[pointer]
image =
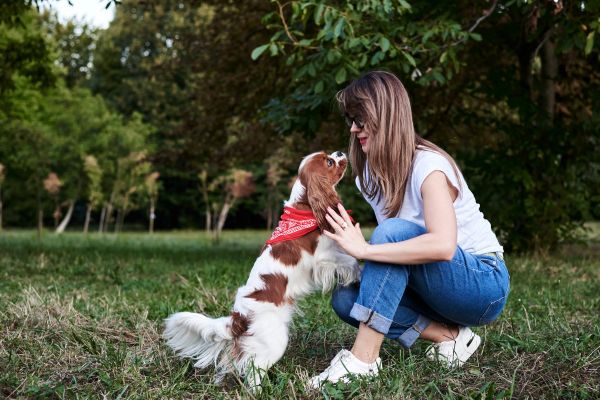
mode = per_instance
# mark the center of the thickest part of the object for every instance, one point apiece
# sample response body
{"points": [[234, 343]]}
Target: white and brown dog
{"points": [[295, 261]]}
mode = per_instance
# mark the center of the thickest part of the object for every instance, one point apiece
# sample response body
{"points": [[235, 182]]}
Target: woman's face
{"points": [[357, 127], [362, 136]]}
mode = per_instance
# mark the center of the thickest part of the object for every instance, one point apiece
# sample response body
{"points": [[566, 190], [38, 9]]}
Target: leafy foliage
{"points": [[492, 85], [329, 43], [508, 87]]}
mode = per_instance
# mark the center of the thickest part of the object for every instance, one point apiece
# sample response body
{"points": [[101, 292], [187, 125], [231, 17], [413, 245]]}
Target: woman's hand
{"points": [[348, 236]]}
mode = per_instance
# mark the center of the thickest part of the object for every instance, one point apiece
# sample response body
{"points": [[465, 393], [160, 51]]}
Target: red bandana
{"points": [[293, 224]]}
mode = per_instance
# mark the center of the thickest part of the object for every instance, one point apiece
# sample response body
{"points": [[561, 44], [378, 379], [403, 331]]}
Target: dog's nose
{"points": [[339, 154]]}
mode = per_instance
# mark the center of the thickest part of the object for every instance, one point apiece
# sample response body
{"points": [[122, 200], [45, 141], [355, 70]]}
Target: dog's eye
{"points": [[329, 162]]}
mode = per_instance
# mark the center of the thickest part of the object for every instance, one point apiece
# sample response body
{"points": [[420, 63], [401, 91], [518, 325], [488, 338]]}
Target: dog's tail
{"points": [[199, 337]]}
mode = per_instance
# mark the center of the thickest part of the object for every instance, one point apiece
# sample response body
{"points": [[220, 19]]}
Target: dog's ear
{"points": [[321, 194]]}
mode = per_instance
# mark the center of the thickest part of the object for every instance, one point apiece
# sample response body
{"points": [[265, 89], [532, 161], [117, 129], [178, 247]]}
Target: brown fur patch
{"points": [[239, 327], [274, 290], [239, 324], [289, 252]]}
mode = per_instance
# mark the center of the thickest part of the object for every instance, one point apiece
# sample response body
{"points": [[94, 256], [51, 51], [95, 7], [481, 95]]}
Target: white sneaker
{"points": [[342, 367], [454, 353]]}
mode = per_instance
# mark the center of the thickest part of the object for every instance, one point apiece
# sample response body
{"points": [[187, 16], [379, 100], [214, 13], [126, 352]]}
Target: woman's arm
{"points": [[437, 244]]}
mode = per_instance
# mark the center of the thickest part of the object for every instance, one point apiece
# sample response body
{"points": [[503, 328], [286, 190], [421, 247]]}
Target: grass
{"points": [[81, 317]]}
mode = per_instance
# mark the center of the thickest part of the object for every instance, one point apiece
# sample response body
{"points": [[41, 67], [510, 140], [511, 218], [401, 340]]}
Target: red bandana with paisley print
{"points": [[293, 224]]}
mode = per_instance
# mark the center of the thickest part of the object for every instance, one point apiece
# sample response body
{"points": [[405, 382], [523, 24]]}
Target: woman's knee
{"points": [[393, 230], [342, 301]]}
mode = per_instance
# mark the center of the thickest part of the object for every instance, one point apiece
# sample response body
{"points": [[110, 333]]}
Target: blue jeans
{"points": [[400, 301]]}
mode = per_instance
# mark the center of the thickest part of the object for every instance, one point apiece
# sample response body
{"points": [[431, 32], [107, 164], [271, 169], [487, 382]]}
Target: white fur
{"points": [[210, 341]]}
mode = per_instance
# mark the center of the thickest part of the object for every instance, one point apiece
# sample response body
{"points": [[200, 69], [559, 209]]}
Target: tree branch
{"points": [[285, 25], [486, 13]]}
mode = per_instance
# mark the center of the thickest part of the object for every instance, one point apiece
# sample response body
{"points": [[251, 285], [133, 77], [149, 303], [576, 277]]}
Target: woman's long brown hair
{"points": [[380, 101]]}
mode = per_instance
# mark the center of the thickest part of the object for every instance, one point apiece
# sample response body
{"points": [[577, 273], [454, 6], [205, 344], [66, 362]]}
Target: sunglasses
{"points": [[353, 120]]}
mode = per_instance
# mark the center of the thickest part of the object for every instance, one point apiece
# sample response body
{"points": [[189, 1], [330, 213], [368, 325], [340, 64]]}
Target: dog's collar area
{"points": [[293, 224]]}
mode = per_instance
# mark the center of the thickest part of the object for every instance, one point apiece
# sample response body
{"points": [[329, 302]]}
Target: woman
{"points": [[433, 266]]}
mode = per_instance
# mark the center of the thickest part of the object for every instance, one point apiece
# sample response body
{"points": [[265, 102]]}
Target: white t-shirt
{"points": [[475, 233]]}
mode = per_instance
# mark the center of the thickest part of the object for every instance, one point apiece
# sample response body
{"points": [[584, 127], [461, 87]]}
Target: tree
{"points": [[52, 185], [129, 183], [26, 50], [200, 92], [328, 43], [222, 194], [74, 44], [94, 188], [151, 186], [129, 143]]}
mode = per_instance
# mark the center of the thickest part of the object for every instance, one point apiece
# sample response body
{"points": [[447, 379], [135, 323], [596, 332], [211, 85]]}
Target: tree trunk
{"points": [[63, 225], [40, 224], [109, 209], [88, 215], [549, 75], [204, 188], [269, 218], [108, 217], [56, 215], [526, 54], [208, 219], [119, 220], [121, 215], [151, 217], [102, 216], [223, 216], [214, 218]]}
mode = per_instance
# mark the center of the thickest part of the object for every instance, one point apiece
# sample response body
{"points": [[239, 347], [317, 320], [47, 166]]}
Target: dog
{"points": [[294, 262]]}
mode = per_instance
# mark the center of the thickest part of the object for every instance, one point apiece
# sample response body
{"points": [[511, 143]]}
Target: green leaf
{"points": [[319, 87], [443, 57], [330, 57], [438, 77], [337, 31], [258, 51], [405, 4], [319, 13], [363, 61], [353, 42], [410, 58], [427, 35], [377, 57], [340, 76], [476, 37], [273, 49], [589, 43], [384, 43]]}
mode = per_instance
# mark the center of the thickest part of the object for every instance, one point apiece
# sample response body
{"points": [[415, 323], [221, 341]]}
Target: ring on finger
{"points": [[344, 225]]}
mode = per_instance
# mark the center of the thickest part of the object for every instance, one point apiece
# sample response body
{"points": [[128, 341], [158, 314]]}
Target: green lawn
{"points": [[81, 317]]}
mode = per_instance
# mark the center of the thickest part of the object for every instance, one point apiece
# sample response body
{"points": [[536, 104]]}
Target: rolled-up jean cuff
{"points": [[372, 319], [410, 336]]}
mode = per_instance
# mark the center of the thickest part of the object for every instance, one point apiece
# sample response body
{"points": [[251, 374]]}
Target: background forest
{"points": [[195, 114]]}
